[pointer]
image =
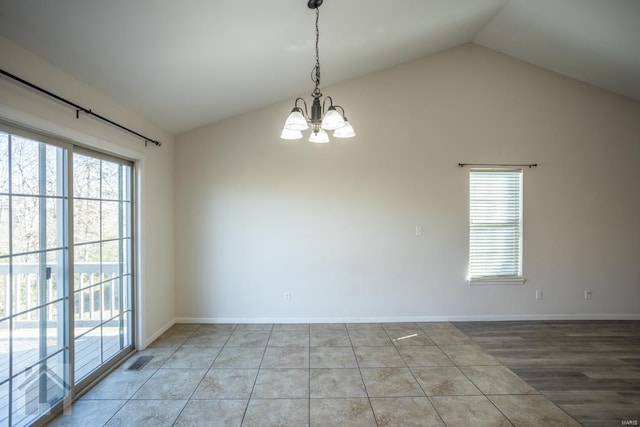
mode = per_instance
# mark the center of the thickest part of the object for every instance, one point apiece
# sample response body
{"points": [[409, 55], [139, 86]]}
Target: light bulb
{"points": [[345, 131], [296, 120], [321, 136], [290, 134], [332, 119]]}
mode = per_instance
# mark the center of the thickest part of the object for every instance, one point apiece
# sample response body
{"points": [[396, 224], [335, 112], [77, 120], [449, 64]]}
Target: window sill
{"points": [[496, 281]]}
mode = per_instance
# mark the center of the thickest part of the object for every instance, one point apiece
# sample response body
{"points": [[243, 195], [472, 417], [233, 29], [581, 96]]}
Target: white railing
{"points": [[88, 275], [91, 302]]}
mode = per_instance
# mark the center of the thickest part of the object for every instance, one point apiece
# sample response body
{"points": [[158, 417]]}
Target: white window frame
{"points": [[495, 277]]}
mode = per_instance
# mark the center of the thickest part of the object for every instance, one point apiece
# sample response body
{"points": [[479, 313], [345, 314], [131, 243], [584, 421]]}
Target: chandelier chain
{"points": [[315, 74]]}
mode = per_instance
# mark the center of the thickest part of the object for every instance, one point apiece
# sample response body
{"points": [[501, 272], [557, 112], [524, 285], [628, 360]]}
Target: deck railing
{"points": [[92, 301]]}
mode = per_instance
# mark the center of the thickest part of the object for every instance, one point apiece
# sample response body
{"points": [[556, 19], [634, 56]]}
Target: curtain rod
{"points": [[79, 108], [529, 165]]}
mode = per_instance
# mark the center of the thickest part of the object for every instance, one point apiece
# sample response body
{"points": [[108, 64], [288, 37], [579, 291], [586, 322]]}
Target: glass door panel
{"points": [[34, 346], [102, 251]]}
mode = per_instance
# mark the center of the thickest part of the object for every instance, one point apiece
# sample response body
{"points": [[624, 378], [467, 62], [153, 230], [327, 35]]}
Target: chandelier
{"points": [[322, 118]]}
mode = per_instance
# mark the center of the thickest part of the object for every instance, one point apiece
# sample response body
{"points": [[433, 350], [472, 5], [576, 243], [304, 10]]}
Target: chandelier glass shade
{"points": [[321, 118]]}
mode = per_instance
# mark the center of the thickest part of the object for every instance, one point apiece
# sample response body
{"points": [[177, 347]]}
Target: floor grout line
{"points": [[373, 412], [246, 409]]}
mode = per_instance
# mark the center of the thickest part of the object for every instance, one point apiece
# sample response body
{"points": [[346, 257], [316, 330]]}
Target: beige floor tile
{"points": [[226, 384], [409, 337], [332, 357], [192, 358], [334, 383], [189, 327], [351, 327], [119, 385], [212, 413], [160, 356], [171, 339], [496, 380], [206, 338], [444, 381], [298, 327], [427, 355], [427, 326], [405, 412], [390, 382], [171, 384], [286, 357], [147, 413], [339, 338], [255, 327], [379, 357], [532, 410], [341, 413], [282, 338], [239, 357], [464, 411], [468, 355], [228, 327], [204, 330], [88, 413], [365, 338], [327, 327], [277, 412], [448, 336], [392, 326], [244, 338], [281, 384]]}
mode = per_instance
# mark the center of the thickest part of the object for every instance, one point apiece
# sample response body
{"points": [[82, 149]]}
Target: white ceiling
{"points": [[183, 64]]}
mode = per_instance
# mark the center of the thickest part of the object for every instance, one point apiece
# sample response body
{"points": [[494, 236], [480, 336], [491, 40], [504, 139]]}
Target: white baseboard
{"points": [[453, 318], [161, 331], [516, 317]]}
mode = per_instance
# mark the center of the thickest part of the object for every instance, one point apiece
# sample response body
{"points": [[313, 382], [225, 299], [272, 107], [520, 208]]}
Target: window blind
{"points": [[495, 223]]}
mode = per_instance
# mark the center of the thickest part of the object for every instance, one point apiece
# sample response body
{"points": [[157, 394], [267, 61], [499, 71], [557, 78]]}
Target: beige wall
{"points": [[335, 224], [155, 166]]}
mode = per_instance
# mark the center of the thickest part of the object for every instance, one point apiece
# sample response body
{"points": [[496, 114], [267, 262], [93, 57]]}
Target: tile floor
{"points": [[390, 374]]}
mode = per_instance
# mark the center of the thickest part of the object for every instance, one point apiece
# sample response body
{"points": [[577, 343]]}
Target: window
{"points": [[495, 225], [65, 305]]}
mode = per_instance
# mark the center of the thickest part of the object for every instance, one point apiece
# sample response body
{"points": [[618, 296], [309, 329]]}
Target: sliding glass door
{"points": [[65, 302], [102, 260]]}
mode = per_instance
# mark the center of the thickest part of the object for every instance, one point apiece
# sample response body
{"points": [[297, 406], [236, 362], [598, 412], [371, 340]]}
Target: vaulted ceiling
{"points": [[184, 64]]}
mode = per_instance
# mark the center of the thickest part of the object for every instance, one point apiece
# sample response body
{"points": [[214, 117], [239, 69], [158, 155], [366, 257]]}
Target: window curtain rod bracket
{"points": [[529, 165], [79, 109]]}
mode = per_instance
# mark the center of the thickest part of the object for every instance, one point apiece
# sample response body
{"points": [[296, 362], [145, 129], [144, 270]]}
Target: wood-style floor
{"points": [[591, 369]]}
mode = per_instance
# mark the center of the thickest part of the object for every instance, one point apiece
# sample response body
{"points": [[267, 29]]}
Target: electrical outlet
{"points": [[588, 294], [287, 296], [538, 294], [418, 230]]}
